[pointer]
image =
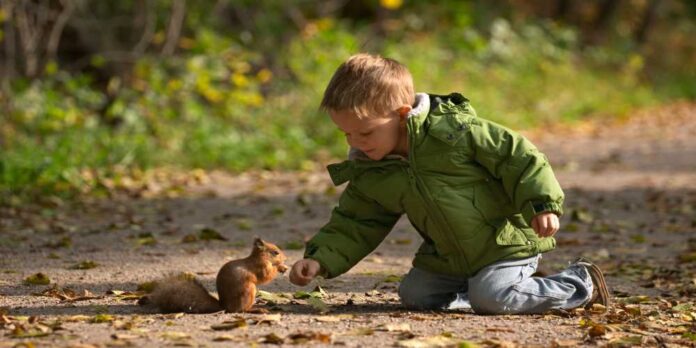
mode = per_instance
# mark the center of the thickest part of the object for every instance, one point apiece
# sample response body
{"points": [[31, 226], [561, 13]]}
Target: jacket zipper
{"points": [[430, 206]]}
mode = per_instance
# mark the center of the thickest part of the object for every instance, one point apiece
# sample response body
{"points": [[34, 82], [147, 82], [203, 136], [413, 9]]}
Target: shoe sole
{"points": [[600, 283]]}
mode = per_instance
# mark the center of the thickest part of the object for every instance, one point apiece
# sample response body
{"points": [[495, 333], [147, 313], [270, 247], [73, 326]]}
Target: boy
{"points": [[482, 197]]}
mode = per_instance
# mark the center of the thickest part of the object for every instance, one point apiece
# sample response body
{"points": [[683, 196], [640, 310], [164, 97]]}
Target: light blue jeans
{"points": [[504, 287]]}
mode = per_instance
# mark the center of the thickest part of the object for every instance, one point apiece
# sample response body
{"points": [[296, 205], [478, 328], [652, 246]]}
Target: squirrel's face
{"points": [[272, 253], [278, 259]]}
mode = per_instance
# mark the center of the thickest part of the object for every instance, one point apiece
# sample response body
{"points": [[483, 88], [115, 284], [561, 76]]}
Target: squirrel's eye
{"points": [[274, 252]]}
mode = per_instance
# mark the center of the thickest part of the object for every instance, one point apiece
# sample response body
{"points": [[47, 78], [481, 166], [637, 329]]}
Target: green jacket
{"points": [[470, 188]]}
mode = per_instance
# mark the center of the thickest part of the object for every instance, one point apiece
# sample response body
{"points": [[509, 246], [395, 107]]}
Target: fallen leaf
{"points": [[268, 319], [174, 315], [230, 324], [122, 336], [636, 299], [64, 242], [682, 307], [267, 296], [597, 330], [244, 224], [146, 239], [597, 308], [208, 233], [77, 318], [304, 337], [301, 295], [125, 295], [581, 216], [272, 338], [318, 304], [175, 335], [225, 338], [638, 238], [102, 318], [277, 211], [84, 265], [328, 319], [189, 238], [625, 342], [429, 342], [21, 332], [66, 294], [37, 279]]}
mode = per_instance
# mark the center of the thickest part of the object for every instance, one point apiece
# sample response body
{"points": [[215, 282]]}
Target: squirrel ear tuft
{"points": [[258, 243]]}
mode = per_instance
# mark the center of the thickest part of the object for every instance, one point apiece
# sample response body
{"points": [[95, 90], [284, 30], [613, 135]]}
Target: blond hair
{"points": [[369, 86]]}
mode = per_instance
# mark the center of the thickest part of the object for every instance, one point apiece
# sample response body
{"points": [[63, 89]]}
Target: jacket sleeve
{"points": [[357, 226], [525, 172]]}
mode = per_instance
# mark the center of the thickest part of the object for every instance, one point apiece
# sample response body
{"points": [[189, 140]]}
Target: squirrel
{"points": [[236, 284]]}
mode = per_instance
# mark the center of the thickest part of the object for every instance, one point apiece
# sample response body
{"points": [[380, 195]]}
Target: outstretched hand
{"points": [[546, 224], [304, 271]]}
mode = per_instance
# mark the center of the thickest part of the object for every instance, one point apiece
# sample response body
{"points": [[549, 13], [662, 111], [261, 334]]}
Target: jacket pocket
{"points": [[449, 129], [507, 235]]}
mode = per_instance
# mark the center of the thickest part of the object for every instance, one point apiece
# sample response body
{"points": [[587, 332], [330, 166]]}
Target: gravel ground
{"points": [[631, 202]]}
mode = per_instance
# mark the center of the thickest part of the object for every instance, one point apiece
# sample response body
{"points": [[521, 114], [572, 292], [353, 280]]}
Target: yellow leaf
{"points": [[51, 68], [391, 4], [230, 324], [76, 318], [264, 75], [102, 318], [239, 80], [175, 335]]}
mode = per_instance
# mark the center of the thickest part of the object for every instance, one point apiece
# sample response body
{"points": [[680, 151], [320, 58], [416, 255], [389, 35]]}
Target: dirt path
{"points": [[631, 203]]}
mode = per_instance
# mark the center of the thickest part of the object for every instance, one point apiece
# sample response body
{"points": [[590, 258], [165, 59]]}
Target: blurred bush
{"points": [[90, 89]]}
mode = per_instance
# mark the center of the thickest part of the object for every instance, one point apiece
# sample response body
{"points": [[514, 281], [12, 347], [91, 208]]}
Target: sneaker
{"points": [[600, 292]]}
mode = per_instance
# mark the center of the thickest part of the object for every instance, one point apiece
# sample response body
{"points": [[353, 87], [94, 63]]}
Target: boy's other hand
{"points": [[546, 224], [304, 271]]}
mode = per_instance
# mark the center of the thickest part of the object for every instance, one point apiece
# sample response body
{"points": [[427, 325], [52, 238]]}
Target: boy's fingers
{"points": [[535, 226], [298, 279], [548, 220]]}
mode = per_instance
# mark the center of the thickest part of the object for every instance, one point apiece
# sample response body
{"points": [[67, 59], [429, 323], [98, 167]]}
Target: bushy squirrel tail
{"points": [[182, 293]]}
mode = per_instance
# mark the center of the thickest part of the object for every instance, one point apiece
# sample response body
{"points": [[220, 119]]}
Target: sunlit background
{"points": [[97, 91]]}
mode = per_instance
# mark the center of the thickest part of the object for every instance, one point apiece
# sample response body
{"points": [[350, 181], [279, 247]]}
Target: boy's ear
{"points": [[403, 111]]}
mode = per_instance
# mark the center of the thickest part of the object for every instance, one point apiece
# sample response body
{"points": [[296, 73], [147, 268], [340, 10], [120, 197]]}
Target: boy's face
{"points": [[375, 136]]}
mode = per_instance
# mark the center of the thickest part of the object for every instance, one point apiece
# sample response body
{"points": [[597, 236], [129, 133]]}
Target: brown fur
{"points": [[236, 284]]}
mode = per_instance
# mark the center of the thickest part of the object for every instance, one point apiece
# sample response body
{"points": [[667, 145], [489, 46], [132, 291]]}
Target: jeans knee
{"points": [[409, 296], [491, 301], [413, 297]]}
